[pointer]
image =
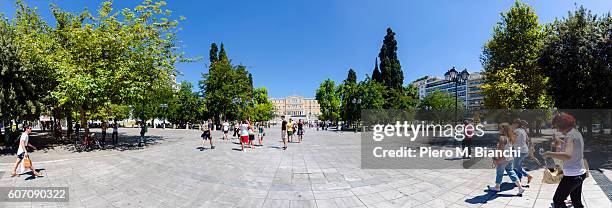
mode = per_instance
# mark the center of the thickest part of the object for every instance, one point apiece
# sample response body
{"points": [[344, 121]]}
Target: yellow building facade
{"points": [[296, 106]]}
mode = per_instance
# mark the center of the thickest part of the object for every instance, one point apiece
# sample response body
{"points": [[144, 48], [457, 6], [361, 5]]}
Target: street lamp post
{"points": [[357, 102], [453, 75]]}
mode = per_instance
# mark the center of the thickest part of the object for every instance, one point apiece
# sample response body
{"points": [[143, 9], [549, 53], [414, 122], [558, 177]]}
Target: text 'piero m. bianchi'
{"points": [[412, 131]]}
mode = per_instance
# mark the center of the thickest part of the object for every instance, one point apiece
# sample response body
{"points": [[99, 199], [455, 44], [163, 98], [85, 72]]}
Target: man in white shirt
{"points": [[22, 152], [225, 129]]}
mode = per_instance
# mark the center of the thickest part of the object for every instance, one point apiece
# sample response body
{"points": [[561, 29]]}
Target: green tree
{"points": [[185, 106], [113, 57], [25, 76], [214, 53], [391, 74], [390, 68], [348, 92], [372, 96], [513, 51], [439, 106], [263, 109], [576, 58], [227, 89], [329, 100]]}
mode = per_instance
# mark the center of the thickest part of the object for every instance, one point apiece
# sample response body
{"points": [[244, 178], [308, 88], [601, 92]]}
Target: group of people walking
{"points": [[251, 134], [569, 149], [246, 132], [288, 128]]}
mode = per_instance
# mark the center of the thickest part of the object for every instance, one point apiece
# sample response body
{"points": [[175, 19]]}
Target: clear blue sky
{"points": [[291, 46]]}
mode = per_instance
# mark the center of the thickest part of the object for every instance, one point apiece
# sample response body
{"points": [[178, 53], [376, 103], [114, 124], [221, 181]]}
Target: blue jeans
{"points": [[518, 166], [507, 166]]}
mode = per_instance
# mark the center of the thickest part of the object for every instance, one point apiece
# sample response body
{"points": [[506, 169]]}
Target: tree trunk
{"points": [[69, 123], [83, 117]]}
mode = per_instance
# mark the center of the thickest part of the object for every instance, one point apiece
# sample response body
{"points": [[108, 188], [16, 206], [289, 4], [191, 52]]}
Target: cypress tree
{"points": [[391, 70], [223, 54], [214, 56], [352, 77], [376, 73]]}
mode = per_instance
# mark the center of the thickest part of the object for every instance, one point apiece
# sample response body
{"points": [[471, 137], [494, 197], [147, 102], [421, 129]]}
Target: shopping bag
{"points": [[552, 177], [27, 163]]}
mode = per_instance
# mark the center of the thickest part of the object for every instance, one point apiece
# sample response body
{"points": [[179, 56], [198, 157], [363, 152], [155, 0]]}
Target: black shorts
{"points": [[251, 137], [205, 135], [20, 156], [225, 132]]}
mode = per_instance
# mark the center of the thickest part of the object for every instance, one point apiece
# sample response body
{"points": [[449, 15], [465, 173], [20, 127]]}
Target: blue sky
{"points": [[291, 46]]}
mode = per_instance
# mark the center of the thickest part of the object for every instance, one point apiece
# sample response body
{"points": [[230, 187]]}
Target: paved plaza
{"points": [[323, 171]]}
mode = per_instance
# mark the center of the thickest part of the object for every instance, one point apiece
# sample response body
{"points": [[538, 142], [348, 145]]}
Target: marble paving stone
{"points": [[323, 171]]}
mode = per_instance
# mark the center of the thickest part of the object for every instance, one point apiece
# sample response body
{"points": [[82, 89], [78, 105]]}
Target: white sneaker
{"points": [[520, 192]]}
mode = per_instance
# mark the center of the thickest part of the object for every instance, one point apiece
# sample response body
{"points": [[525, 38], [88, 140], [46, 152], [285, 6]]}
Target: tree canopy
{"points": [[513, 51]]}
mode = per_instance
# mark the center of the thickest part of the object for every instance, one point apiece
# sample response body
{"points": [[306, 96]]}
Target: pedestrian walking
{"points": [[207, 134], [572, 154], [505, 143], [251, 134], [104, 127], [77, 130], [300, 130], [226, 126], [244, 134], [236, 129], [284, 132], [261, 133], [521, 145], [115, 136], [22, 152], [290, 130]]}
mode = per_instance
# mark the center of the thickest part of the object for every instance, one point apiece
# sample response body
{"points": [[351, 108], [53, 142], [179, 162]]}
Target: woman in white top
{"points": [[22, 152], [574, 173], [506, 141], [521, 145]]}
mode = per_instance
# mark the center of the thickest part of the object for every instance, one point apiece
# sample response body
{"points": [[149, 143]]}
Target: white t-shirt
{"points": [[226, 126], [244, 130], [521, 140], [574, 166], [24, 138]]}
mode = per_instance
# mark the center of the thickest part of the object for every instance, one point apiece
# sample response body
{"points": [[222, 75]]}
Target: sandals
{"points": [[529, 177]]}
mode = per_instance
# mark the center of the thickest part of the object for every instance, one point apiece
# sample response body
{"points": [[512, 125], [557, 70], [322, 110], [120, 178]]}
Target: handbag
{"points": [[27, 163]]}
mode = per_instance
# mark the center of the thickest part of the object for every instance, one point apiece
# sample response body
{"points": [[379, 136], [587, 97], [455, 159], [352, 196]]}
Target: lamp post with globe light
{"points": [[357, 103], [453, 75]]}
